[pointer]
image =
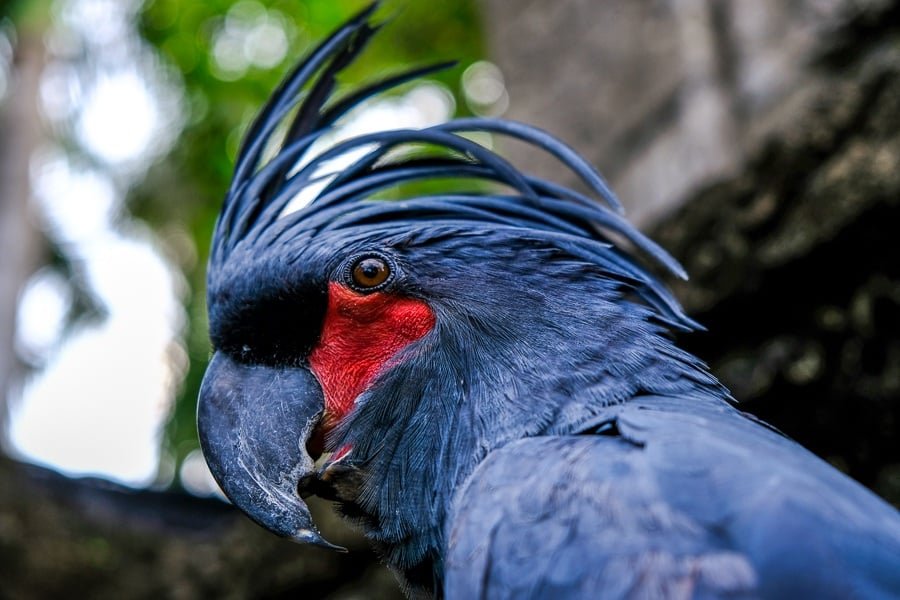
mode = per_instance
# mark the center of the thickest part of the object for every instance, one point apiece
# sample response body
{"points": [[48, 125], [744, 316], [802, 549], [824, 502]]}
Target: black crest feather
{"points": [[583, 225]]}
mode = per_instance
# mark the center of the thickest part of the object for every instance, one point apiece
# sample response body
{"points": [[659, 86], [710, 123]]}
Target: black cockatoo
{"points": [[488, 380]]}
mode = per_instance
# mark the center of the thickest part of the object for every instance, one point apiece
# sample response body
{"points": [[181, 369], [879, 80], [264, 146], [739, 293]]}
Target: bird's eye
{"points": [[370, 273]]}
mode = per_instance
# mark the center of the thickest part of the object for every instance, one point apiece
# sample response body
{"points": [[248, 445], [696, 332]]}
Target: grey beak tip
{"points": [[313, 537]]}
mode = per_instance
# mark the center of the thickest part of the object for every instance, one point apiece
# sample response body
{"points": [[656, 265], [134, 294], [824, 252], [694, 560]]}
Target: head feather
{"points": [[588, 227]]}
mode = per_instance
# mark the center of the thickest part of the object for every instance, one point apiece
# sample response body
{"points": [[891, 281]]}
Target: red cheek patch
{"points": [[360, 334]]}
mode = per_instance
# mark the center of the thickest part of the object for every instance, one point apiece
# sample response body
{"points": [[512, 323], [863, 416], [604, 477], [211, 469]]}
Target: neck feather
{"points": [[482, 379]]}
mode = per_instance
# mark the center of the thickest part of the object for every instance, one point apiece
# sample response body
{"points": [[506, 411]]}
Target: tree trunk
{"points": [[667, 96], [20, 240], [760, 142]]}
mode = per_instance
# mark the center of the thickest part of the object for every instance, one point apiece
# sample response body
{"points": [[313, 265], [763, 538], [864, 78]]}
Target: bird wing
{"points": [[668, 498]]}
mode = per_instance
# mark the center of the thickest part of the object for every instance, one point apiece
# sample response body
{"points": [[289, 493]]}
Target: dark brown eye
{"points": [[370, 272]]}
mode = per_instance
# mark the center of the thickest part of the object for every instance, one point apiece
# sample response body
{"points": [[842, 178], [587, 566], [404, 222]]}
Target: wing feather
{"points": [[679, 498]]}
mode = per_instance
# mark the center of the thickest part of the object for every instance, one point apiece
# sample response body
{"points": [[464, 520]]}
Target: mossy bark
{"points": [[70, 538]]}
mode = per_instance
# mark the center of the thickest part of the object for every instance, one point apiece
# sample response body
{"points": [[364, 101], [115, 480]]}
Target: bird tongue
{"points": [[254, 423]]}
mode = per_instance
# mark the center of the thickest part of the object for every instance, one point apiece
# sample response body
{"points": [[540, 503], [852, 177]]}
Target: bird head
{"points": [[404, 339]]}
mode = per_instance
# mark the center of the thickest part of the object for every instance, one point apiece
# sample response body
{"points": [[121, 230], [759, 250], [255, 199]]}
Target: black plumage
{"points": [[536, 433]]}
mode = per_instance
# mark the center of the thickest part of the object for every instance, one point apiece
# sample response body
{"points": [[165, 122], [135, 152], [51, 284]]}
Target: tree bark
{"points": [[666, 96], [87, 538], [795, 268], [758, 141]]}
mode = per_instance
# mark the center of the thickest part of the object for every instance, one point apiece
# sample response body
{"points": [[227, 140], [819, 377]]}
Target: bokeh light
{"points": [[249, 36], [106, 385], [485, 89], [103, 387]]}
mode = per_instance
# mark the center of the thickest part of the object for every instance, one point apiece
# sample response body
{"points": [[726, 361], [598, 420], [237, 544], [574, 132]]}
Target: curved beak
{"points": [[254, 422]]}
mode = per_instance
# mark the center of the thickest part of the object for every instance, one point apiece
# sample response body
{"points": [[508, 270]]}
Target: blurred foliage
{"points": [[182, 193], [25, 13]]}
